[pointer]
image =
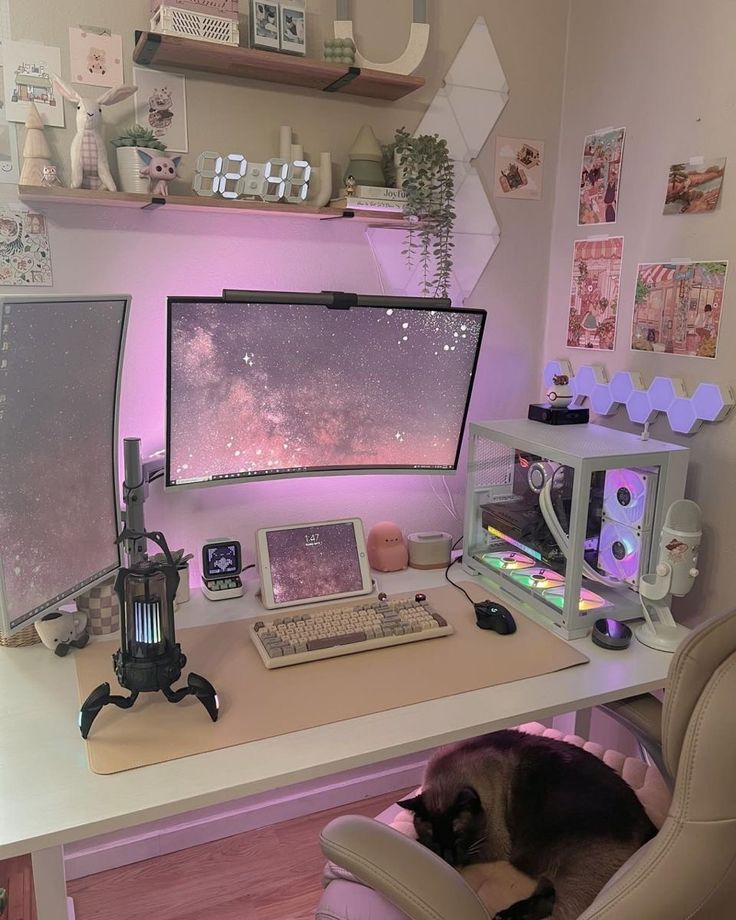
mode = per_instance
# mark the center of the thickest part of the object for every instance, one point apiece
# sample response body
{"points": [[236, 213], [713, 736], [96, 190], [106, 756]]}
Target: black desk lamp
{"points": [[149, 659]]}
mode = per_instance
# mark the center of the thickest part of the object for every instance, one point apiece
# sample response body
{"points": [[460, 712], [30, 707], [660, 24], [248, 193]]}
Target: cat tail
{"points": [[538, 906]]}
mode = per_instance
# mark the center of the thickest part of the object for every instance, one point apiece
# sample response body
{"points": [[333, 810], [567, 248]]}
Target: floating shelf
{"points": [[170, 51], [41, 197]]}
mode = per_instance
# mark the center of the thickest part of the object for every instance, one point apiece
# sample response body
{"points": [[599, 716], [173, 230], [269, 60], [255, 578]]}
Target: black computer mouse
{"points": [[490, 615]]}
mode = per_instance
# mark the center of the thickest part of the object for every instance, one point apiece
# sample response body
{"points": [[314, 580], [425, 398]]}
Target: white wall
{"points": [[151, 255], [666, 70]]}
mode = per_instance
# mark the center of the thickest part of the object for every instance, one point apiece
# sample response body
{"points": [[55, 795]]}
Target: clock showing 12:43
{"points": [[232, 176]]}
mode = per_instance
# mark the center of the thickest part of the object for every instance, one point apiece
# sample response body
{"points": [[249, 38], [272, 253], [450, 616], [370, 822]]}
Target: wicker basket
{"points": [[101, 606], [24, 637], [228, 9], [204, 27]]}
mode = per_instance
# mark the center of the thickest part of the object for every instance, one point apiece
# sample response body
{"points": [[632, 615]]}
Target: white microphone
{"points": [[680, 543]]}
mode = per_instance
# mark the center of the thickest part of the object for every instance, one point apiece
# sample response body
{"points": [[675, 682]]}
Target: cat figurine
{"points": [[555, 812], [160, 171]]}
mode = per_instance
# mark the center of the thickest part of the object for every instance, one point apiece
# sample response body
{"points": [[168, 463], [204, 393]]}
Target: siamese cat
{"points": [[556, 813]]}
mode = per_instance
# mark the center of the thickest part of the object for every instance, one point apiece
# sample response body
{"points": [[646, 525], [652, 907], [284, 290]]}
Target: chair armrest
{"points": [[413, 878], [642, 716]]}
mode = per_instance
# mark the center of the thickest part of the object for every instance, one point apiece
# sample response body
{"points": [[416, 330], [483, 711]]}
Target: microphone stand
{"points": [[660, 631]]}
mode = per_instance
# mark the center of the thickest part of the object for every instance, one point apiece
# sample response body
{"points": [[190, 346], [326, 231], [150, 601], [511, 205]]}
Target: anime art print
{"points": [[594, 293], [600, 177], [678, 308]]}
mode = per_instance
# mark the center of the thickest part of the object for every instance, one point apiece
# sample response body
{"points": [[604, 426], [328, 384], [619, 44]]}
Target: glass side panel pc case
{"points": [[566, 520], [263, 389], [60, 361]]}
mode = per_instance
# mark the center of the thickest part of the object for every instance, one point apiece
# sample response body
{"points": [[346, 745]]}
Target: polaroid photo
{"points": [[264, 25], [293, 28]]}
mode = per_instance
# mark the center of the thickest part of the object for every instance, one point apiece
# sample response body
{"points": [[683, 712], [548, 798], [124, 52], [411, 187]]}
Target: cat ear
{"points": [[468, 800], [415, 805]]}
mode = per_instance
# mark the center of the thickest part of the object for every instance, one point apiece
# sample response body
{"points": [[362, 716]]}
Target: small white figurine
{"points": [[61, 631], [90, 168], [50, 179]]}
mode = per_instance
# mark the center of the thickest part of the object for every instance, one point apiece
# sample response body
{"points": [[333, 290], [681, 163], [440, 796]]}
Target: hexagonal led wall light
{"points": [[711, 402]]}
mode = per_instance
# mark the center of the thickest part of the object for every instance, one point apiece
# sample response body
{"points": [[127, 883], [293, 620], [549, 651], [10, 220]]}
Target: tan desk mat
{"points": [[260, 703]]}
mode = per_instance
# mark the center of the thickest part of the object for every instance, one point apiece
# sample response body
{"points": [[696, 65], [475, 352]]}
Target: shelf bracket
{"points": [[154, 204], [344, 80], [343, 215], [146, 53]]}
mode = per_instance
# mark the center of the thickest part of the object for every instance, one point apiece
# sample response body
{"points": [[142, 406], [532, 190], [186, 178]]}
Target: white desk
{"points": [[49, 796]]}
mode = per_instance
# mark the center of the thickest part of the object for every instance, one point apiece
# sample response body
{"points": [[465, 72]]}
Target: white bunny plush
{"points": [[90, 168]]}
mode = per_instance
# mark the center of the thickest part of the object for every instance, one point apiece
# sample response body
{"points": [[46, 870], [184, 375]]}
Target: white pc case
{"points": [[566, 519]]}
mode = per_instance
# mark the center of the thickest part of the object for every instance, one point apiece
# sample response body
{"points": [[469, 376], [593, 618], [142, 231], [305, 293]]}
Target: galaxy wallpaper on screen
{"points": [[313, 561], [58, 367], [264, 388]]}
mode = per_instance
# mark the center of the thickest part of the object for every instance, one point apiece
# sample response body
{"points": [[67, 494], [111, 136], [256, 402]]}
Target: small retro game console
{"points": [[222, 563]]}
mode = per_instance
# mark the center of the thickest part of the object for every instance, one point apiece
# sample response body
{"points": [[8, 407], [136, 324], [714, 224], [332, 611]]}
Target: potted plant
{"points": [[129, 163], [422, 167]]}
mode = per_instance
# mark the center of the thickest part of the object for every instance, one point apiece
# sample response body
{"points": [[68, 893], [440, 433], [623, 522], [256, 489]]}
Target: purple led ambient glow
{"points": [[58, 524], [258, 389], [315, 561]]}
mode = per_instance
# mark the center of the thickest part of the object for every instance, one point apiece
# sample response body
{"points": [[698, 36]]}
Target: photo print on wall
{"points": [[25, 255], [600, 177], [694, 187], [264, 20], [519, 168], [594, 293], [29, 69], [95, 57], [161, 105], [678, 308]]}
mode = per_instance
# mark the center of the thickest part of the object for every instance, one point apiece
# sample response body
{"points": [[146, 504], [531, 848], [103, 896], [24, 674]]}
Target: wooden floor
{"points": [[269, 874]]}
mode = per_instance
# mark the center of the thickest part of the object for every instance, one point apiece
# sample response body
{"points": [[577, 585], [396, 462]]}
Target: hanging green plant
{"points": [[427, 175]]}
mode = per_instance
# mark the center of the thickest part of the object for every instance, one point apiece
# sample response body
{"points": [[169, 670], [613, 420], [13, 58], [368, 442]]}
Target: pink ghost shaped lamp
{"points": [[160, 171], [387, 551]]}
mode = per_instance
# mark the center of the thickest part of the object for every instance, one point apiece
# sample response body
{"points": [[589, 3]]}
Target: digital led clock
{"points": [[232, 177]]}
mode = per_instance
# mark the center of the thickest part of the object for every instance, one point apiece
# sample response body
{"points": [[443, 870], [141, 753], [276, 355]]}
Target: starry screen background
{"points": [[57, 495], [265, 388], [314, 561]]}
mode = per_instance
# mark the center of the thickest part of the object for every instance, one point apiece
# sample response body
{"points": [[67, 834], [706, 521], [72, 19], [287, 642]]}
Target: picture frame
{"points": [[265, 25], [293, 28]]}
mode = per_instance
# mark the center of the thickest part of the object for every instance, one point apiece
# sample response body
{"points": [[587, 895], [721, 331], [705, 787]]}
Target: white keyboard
{"points": [[326, 632]]}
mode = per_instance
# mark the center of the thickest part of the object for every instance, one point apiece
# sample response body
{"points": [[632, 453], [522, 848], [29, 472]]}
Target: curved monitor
{"points": [[262, 389], [60, 364]]}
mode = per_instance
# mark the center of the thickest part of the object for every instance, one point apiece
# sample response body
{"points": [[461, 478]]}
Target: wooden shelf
{"points": [[170, 51], [43, 197]]}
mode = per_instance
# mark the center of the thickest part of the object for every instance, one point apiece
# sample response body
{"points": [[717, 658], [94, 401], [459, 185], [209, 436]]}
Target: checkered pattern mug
{"points": [[102, 608]]}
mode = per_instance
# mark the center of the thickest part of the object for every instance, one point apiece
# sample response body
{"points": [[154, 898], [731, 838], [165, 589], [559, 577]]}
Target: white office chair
{"points": [[687, 871]]}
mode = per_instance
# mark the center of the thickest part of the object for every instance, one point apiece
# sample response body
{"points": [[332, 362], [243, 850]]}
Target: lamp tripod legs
{"points": [[98, 698], [199, 687]]}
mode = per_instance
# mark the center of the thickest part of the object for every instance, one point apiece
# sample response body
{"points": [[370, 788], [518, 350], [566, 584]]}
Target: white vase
{"points": [[129, 169]]}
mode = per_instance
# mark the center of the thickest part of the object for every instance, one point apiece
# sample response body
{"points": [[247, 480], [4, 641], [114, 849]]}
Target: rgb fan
{"points": [[588, 600], [626, 497], [620, 552], [537, 579], [505, 560]]}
